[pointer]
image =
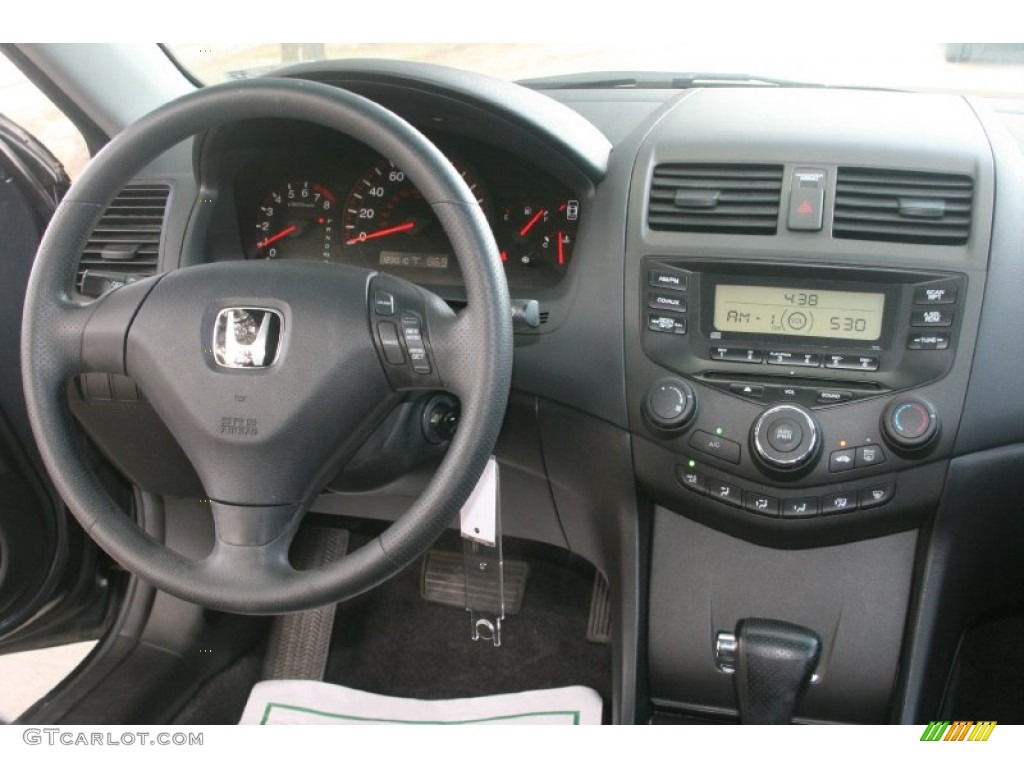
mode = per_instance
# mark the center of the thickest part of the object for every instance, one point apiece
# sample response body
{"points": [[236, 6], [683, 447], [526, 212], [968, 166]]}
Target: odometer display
{"points": [[787, 311]]}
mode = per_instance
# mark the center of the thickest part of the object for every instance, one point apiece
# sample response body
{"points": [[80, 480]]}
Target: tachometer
{"points": [[298, 221], [387, 223]]}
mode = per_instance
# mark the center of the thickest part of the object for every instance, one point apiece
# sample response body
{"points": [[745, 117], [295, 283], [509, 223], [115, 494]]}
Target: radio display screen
{"points": [[798, 312]]}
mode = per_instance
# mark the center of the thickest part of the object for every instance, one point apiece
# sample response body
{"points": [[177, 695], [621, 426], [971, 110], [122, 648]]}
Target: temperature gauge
{"points": [[539, 237]]}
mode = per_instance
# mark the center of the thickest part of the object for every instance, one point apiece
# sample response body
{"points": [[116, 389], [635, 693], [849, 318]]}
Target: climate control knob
{"points": [[909, 423], [786, 438], [670, 404]]}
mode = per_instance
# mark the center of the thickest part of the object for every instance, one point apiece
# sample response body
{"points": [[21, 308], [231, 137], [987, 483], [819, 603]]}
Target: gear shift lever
{"points": [[773, 662]]}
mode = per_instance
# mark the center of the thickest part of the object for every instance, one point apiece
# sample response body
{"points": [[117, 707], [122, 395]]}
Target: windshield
{"points": [[985, 69]]}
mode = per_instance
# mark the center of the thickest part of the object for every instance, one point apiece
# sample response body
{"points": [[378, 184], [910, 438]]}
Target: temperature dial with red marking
{"points": [[909, 423]]}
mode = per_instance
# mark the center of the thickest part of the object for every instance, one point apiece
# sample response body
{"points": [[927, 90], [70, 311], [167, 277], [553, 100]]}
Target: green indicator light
{"points": [[718, 430], [691, 463]]}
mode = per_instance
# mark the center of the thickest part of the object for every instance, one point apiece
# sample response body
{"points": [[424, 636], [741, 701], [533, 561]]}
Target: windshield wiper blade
{"points": [[657, 80]]}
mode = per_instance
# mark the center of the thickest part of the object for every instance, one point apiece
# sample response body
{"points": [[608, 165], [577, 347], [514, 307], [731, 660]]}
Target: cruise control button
{"points": [[725, 492], [938, 318], [694, 481], [736, 355], [716, 445], [667, 324], [851, 362], [760, 504], [840, 461], [833, 396], [674, 301], [663, 278], [928, 341], [928, 294], [803, 507], [837, 503], [413, 335], [867, 455], [796, 359], [877, 495]]}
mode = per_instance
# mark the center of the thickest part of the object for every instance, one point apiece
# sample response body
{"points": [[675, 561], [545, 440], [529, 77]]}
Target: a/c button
{"points": [[716, 445]]}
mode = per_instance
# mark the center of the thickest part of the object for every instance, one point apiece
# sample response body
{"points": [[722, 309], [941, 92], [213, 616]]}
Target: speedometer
{"points": [[387, 223]]}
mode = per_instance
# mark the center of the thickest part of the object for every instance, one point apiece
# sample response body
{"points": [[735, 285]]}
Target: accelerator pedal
{"points": [[599, 625], [443, 580], [299, 642]]}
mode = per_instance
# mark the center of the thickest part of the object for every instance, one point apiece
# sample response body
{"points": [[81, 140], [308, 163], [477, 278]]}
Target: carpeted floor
{"points": [[990, 685]]}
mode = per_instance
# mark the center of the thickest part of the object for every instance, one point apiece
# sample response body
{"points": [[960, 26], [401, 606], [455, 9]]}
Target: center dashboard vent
{"points": [[720, 198], [902, 206], [125, 244]]}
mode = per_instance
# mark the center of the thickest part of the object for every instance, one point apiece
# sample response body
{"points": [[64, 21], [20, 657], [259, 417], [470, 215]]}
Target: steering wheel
{"points": [[269, 374]]}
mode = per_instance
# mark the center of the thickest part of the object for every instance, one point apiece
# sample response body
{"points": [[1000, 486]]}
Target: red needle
{"points": [[531, 222], [561, 251], [381, 233], [274, 238]]}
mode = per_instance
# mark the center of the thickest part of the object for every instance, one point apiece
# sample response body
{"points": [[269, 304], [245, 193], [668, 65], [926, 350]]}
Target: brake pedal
{"points": [[299, 642], [443, 580]]}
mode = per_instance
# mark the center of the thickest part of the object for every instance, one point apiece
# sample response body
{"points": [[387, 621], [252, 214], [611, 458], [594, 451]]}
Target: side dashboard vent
{"points": [[902, 206], [125, 244], [718, 198]]}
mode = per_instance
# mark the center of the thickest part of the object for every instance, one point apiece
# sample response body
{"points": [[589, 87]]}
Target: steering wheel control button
{"points": [[736, 355], [801, 507], [786, 437], [673, 301], [935, 294], [877, 495], [665, 278], [909, 423], [794, 359], [760, 504], [383, 303], [830, 396], [388, 333], [667, 324], [413, 334], [716, 445], [838, 503], [691, 480], [928, 341], [785, 434], [931, 318], [670, 404], [727, 493], [869, 455], [841, 461]]}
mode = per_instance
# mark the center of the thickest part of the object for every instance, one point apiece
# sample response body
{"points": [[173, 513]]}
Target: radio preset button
{"points": [[736, 355], [928, 341], [851, 362], [928, 318], [796, 359], [664, 278], [935, 294], [716, 445], [673, 301]]}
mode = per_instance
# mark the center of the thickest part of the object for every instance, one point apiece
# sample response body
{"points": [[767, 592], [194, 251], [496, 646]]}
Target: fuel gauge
{"points": [[538, 239]]}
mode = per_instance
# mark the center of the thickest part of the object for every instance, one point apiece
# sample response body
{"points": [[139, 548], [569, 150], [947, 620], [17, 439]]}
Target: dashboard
{"points": [[301, 192], [778, 369]]}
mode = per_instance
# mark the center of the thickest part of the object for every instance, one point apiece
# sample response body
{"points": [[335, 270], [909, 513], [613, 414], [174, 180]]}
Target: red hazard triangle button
{"points": [[805, 207]]}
